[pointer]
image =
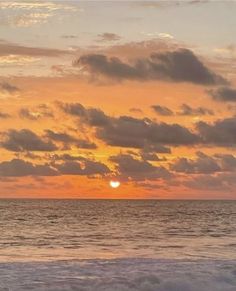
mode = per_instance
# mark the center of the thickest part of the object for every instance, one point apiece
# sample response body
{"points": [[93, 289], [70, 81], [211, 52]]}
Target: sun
{"points": [[114, 184]]}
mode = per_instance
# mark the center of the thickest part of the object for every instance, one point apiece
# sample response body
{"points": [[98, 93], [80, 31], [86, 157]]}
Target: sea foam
{"points": [[119, 275]]}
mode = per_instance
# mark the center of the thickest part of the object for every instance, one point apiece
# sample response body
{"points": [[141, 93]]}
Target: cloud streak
{"points": [[7, 48]]}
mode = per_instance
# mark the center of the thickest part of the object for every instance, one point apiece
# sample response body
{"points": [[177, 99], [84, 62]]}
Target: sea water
{"points": [[118, 245]]}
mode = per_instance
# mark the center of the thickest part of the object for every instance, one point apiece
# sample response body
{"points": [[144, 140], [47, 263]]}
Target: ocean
{"points": [[122, 245]]}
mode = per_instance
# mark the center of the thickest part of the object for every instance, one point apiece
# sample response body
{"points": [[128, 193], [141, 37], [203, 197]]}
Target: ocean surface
{"points": [[122, 245]]}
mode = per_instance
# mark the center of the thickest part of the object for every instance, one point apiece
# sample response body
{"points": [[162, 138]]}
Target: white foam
{"points": [[119, 275]]}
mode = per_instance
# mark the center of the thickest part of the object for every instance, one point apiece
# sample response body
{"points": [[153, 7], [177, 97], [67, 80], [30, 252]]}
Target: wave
{"points": [[127, 274]]}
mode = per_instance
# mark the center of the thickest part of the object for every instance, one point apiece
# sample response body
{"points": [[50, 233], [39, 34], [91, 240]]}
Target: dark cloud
{"points": [[8, 88], [107, 36], [25, 140], [74, 109], [20, 168], [96, 117], [224, 94], [188, 110], [86, 144], [91, 116], [83, 168], [162, 110], [177, 66], [146, 156], [148, 152], [66, 157], [67, 140], [64, 164], [110, 67], [221, 132], [156, 148], [60, 136], [127, 131], [29, 155], [185, 109], [207, 183], [227, 162], [41, 111], [203, 164], [130, 132], [221, 182], [133, 169]]}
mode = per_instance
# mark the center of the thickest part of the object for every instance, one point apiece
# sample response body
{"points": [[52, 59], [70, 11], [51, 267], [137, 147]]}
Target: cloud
{"points": [[133, 169], [176, 66], [83, 168], [91, 116], [221, 182], [59, 136], [20, 168], [206, 183], [147, 156], [162, 110], [79, 166], [156, 148], [187, 110], [17, 60], [168, 4], [75, 109], [224, 94], [6, 87], [205, 164], [142, 49], [29, 13], [208, 173], [165, 35], [65, 157], [86, 144], [202, 165], [108, 37], [227, 162], [7, 48], [130, 132], [221, 132], [25, 140], [127, 131], [67, 140], [69, 36], [228, 50], [4, 115], [136, 110], [41, 111]]}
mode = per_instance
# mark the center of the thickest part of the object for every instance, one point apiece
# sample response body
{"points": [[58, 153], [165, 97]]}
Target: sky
{"points": [[141, 92]]}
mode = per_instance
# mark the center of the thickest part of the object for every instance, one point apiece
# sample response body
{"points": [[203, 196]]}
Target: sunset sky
{"points": [[143, 92]]}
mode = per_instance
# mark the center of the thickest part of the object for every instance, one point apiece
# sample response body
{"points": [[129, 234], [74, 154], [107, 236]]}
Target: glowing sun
{"points": [[114, 184]]}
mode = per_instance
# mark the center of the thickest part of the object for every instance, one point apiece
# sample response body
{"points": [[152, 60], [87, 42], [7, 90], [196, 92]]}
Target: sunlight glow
{"points": [[114, 184]]}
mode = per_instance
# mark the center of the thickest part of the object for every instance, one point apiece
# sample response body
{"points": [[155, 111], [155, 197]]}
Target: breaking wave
{"points": [[119, 275]]}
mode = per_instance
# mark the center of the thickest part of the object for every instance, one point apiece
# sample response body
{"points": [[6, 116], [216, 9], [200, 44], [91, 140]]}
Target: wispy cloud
{"points": [[29, 13]]}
